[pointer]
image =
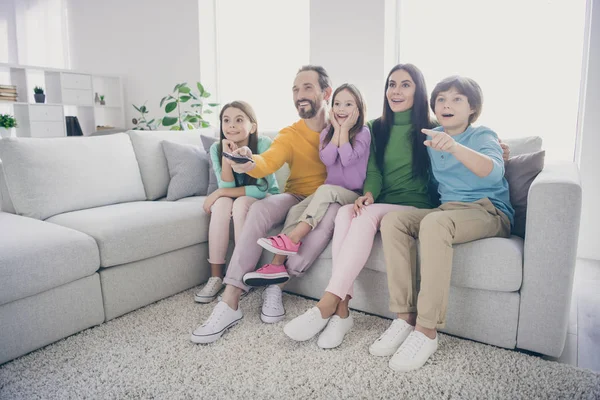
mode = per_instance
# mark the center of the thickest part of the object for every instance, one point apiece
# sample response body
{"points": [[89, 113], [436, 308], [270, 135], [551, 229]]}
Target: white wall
{"points": [[347, 38], [152, 44], [589, 236]]}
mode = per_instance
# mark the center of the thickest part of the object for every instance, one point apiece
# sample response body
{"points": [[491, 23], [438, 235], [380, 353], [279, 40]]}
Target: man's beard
{"points": [[307, 113]]}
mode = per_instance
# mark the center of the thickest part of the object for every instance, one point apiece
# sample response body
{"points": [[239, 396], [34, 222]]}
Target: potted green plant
{"points": [[102, 102], [141, 124], [39, 95], [186, 119], [7, 124]]}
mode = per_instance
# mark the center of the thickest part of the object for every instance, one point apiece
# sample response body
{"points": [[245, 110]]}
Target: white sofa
{"points": [[94, 241]]}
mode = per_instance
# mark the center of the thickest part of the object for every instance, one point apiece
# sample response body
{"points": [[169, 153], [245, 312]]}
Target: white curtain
{"points": [[526, 55], [42, 33]]}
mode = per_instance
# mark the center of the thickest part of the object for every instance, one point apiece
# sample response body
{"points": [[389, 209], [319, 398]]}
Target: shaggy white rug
{"points": [[147, 354]]}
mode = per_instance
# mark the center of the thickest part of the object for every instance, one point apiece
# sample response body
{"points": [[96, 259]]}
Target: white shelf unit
{"points": [[68, 93]]}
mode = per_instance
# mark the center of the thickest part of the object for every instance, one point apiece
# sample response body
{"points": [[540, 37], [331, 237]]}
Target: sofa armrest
{"points": [[5, 202], [550, 250]]}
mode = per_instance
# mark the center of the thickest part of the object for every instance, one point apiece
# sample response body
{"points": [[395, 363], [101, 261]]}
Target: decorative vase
{"points": [[5, 132], [102, 102], [40, 97]]}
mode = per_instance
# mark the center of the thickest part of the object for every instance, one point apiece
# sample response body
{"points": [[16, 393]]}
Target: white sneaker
{"points": [[414, 352], [272, 308], [334, 332], [305, 326], [391, 339], [210, 290], [221, 319]]}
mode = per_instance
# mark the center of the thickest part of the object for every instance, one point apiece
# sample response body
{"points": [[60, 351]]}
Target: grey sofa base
{"points": [[482, 315], [44, 318], [128, 287]]}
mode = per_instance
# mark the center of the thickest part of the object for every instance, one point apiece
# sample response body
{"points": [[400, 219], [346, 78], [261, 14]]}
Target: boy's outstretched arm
{"points": [[480, 164]]}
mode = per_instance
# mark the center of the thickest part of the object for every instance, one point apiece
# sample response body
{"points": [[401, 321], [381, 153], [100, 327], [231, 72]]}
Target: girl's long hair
{"points": [[360, 121], [252, 139], [420, 119]]}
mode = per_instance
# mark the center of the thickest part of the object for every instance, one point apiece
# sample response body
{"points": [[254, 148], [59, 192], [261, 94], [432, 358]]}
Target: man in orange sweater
{"points": [[297, 145]]}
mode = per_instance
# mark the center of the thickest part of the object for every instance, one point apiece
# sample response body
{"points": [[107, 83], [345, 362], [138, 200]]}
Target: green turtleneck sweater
{"points": [[396, 184]]}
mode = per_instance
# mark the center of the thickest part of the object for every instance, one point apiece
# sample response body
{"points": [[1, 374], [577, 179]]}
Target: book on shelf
{"points": [[8, 88]]}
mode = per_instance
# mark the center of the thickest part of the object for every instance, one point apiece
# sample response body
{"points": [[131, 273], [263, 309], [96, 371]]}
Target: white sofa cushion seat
{"points": [[135, 231], [487, 264], [46, 177], [36, 256]]}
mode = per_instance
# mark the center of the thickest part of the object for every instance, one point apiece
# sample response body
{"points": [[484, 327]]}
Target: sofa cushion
{"points": [[524, 145], [152, 161], [36, 256], [213, 185], [50, 176], [136, 231], [188, 170], [489, 264], [520, 172]]}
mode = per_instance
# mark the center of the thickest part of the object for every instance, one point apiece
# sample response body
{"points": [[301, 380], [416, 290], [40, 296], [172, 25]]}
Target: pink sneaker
{"points": [[268, 274], [280, 244]]}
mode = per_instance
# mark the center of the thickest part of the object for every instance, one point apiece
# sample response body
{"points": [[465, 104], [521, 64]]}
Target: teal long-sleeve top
{"points": [[264, 186]]}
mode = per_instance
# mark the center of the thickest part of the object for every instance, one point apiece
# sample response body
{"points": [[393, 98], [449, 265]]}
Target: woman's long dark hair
{"points": [[252, 139], [420, 119], [360, 121]]}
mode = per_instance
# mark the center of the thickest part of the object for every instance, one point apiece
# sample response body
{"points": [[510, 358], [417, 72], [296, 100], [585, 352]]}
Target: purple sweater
{"points": [[347, 164]]}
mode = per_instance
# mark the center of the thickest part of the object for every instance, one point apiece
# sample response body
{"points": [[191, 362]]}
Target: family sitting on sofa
{"points": [[389, 174]]}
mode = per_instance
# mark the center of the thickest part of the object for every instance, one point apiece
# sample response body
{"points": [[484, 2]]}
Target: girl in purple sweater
{"points": [[344, 150]]}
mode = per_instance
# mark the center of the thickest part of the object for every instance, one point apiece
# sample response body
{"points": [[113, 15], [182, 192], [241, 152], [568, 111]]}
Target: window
{"points": [[259, 47], [525, 55]]}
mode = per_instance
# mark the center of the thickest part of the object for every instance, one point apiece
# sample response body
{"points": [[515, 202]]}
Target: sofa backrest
{"points": [[524, 145], [46, 177], [151, 158]]}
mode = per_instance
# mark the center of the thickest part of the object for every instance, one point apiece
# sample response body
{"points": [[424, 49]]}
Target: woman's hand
{"points": [[505, 150], [210, 200], [362, 202]]}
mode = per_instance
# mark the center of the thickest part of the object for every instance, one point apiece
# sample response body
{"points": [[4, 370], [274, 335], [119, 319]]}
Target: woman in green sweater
{"points": [[397, 178]]}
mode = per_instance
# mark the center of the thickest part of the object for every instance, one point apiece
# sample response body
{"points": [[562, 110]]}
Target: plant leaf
{"points": [[162, 101], [208, 112], [196, 105], [193, 119], [136, 108], [193, 95], [175, 128], [168, 121], [150, 122], [176, 87], [205, 124], [213, 104], [190, 126], [205, 94], [170, 107], [184, 99], [200, 88], [184, 89], [143, 110]]}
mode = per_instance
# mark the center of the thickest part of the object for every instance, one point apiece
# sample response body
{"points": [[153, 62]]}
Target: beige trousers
{"points": [[437, 229], [312, 209]]}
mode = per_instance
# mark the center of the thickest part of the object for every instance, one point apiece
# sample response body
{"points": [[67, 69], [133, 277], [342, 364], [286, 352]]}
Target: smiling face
{"points": [[344, 104], [400, 91], [237, 126], [308, 96], [452, 110]]}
